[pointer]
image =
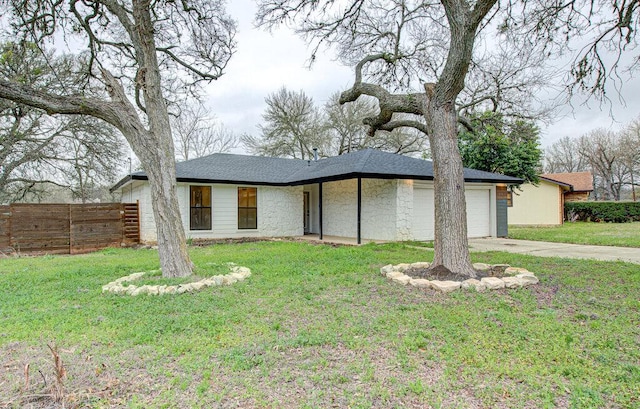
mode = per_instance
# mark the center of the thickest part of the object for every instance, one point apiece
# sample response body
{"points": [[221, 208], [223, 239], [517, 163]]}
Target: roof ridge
{"points": [[366, 155]]}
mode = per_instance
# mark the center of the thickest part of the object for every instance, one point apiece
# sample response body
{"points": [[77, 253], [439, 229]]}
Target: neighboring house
{"points": [[581, 184], [367, 194], [543, 204]]}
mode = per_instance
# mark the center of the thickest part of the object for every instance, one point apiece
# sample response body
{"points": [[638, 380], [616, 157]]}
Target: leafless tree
{"points": [[37, 150], [348, 133], [91, 155], [600, 149], [135, 51], [197, 134], [396, 45], [630, 154], [564, 156], [292, 128]]}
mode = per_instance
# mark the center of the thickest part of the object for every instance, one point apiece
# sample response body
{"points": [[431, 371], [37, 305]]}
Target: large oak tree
{"points": [[137, 53]]}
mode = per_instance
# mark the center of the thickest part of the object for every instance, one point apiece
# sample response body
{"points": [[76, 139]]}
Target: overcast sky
{"points": [[264, 62]]}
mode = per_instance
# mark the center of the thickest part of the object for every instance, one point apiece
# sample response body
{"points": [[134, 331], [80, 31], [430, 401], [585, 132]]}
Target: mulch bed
{"points": [[440, 273]]}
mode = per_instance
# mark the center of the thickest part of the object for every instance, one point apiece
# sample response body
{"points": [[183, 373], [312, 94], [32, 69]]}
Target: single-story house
{"points": [[369, 194], [543, 204], [581, 184]]}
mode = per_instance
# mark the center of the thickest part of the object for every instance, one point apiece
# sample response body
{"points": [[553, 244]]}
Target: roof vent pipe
{"points": [[315, 154]]}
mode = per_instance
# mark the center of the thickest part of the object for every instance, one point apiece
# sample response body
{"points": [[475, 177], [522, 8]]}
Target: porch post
{"points": [[359, 209], [320, 207]]}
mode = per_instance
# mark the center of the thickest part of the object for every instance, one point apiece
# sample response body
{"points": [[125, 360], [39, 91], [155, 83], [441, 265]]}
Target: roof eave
{"points": [[557, 182], [126, 180]]}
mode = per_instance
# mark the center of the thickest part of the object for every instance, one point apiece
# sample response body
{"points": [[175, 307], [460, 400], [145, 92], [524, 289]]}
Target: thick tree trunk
{"points": [[451, 243], [172, 247], [159, 152]]}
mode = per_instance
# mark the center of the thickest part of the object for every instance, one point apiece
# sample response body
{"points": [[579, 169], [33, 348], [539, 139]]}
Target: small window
{"points": [[200, 206], [509, 198], [247, 208]]}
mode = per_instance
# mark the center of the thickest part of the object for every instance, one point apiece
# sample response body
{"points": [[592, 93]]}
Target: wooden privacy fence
{"points": [[67, 228]]}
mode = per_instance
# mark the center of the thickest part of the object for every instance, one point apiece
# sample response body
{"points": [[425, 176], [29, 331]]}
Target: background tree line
{"points": [[42, 156], [293, 125], [613, 157]]}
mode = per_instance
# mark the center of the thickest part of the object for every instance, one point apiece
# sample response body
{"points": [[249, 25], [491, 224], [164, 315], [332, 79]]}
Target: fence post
{"points": [[70, 232]]}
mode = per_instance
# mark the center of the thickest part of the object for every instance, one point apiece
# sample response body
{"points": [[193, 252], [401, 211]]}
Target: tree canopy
{"points": [[510, 147], [136, 58], [36, 150]]}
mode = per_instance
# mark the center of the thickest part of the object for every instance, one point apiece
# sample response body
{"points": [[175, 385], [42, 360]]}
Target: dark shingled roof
{"points": [[257, 170]]}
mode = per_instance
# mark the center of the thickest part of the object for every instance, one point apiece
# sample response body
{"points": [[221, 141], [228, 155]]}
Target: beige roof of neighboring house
{"points": [[580, 181]]}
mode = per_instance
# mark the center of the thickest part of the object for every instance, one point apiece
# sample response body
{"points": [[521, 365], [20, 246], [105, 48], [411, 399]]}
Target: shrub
{"points": [[613, 212]]}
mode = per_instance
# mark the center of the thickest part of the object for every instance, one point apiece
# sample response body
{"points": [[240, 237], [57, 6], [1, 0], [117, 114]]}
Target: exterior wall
{"points": [[576, 196], [379, 207], [537, 205], [279, 212], [387, 210], [404, 213], [339, 208], [140, 192]]}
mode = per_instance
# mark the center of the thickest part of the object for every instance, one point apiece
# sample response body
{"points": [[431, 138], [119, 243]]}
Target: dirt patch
{"points": [[440, 273], [544, 294]]}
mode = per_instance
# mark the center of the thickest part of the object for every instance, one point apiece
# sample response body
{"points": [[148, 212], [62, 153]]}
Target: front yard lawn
{"points": [[317, 326], [601, 234]]}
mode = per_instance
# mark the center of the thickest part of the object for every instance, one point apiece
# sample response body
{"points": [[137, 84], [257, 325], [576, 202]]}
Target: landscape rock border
{"points": [[237, 273], [514, 277]]}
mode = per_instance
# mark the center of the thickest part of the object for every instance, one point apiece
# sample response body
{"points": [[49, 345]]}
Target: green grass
{"points": [[601, 234], [318, 326]]}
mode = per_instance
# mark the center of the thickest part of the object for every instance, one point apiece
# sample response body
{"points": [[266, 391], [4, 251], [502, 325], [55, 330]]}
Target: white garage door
{"points": [[423, 213], [478, 212]]}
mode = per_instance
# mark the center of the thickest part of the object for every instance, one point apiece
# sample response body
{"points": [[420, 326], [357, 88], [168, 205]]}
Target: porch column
{"points": [[359, 209], [320, 207]]}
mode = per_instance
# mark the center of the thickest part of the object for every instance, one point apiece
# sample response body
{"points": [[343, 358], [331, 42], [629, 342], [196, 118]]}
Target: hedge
{"points": [[613, 212]]}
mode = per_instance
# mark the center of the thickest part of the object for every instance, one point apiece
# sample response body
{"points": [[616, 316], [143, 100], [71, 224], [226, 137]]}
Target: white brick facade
{"points": [[279, 212], [387, 210]]}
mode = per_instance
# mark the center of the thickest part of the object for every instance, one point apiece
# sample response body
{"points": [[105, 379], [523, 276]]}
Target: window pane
{"points": [[252, 197], [247, 218], [242, 197], [206, 196], [200, 208], [200, 196], [200, 218]]}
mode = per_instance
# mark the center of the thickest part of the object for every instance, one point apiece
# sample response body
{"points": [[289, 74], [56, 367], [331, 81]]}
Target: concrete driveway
{"points": [[546, 249]]}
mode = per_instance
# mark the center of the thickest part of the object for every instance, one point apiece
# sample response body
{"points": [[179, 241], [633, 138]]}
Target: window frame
{"points": [[201, 208], [246, 209]]}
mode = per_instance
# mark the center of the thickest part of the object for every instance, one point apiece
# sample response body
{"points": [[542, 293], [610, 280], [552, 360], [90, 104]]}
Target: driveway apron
{"points": [[546, 249]]}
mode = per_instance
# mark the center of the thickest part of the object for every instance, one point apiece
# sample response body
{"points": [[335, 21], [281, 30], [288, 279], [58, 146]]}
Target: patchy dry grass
{"points": [[315, 327], [599, 234]]}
